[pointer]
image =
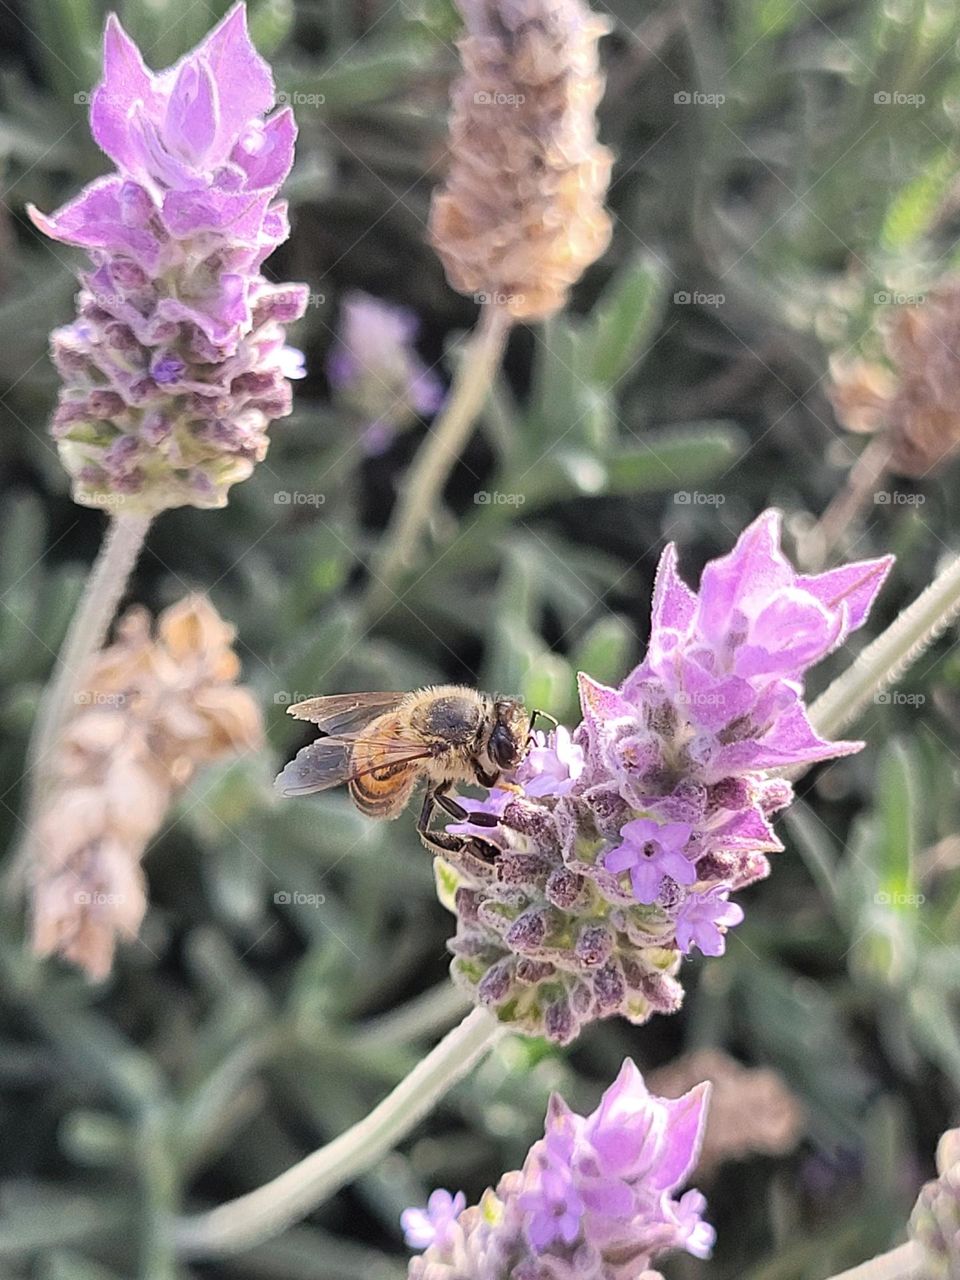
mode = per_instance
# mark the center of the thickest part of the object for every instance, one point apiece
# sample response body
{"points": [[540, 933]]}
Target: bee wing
{"points": [[328, 762], [344, 713]]}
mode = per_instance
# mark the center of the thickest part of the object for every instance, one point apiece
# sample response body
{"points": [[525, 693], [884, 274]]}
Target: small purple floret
{"points": [[433, 1224]]}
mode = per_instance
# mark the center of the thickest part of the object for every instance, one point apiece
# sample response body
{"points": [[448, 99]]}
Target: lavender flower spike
{"points": [[176, 363], [375, 371], [595, 1199], [620, 845]]}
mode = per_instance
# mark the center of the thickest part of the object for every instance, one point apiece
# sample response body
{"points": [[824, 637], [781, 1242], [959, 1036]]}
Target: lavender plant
{"points": [[177, 363], [595, 1198], [619, 845], [376, 373]]}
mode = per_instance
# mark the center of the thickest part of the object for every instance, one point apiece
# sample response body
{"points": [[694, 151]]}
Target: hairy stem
{"points": [[436, 458], [902, 1263], [88, 629], [252, 1218], [883, 661]]}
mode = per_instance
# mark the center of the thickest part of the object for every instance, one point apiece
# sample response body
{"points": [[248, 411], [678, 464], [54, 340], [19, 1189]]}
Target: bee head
{"points": [[508, 737]]}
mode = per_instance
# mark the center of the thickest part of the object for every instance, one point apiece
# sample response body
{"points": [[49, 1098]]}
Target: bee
{"points": [[382, 745]]}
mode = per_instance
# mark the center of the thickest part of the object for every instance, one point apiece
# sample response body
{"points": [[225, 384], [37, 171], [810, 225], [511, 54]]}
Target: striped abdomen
{"points": [[384, 791]]}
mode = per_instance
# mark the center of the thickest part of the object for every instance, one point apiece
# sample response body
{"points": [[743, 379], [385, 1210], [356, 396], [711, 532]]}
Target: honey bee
{"points": [[382, 745]]}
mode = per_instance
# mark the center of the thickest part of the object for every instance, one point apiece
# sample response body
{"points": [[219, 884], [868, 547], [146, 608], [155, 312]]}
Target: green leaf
{"points": [[565, 404], [605, 650], [270, 23], [676, 459], [897, 791], [914, 207], [374, 70], [623, 321]]}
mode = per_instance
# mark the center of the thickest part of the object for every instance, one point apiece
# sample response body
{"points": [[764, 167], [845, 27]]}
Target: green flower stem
{"points": [[883, 661], [105, 586], [436, 458], [902, 1263], [255, 1217]]}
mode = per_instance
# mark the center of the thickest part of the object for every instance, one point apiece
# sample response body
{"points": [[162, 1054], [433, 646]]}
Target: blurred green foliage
{"points": [[682, 394]]}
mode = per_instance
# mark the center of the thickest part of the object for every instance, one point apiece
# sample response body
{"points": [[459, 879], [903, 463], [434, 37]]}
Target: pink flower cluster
{"points": [[177, 363], [595, 1199], [622, 843]]}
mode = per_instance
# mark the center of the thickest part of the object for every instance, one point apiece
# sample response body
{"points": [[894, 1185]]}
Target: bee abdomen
{"points": [[384, 793]]}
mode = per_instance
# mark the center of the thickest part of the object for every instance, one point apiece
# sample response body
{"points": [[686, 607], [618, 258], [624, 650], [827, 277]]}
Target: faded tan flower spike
{"points": [[154, 708], [521, 215]]}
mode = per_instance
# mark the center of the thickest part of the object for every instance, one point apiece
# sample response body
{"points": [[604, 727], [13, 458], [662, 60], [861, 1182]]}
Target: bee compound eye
{"points": [[503, 748]]}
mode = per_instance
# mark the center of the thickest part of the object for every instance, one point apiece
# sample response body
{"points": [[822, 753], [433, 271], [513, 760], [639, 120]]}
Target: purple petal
{"points": [[192, 116], [265, 151], [855, 585], [126, 81], [244, 80], [674, 604]]}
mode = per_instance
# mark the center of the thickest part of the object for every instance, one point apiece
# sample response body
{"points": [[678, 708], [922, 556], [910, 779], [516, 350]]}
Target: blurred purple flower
{"points": [[375, 371], [432, 1225], [595, 1196], [621, 844], [176, 364]]}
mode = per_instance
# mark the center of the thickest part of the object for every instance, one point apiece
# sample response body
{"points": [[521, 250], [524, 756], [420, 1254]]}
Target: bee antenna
{"points": [[536, 715]]}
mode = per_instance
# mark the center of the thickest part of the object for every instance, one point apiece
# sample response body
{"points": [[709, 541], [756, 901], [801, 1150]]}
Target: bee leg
{"points": [[474, 856], [455, 810], [487, 780]]}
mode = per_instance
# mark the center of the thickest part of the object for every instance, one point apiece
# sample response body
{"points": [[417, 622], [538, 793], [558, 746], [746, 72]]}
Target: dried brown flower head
{"points": [[752, 1111], [154, 708], [916, 401], [521, 215]]}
